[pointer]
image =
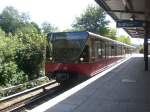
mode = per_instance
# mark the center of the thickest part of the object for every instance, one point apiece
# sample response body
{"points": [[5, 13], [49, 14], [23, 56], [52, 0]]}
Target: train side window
{"points": [[112, 50], [103, 49], [106, 49], [99, 51], [109, 50]]}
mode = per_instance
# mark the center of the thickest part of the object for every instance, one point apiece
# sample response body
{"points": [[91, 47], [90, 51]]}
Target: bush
{"points": [[141, 50], [10, 74], [31, 54], [22, 57]]}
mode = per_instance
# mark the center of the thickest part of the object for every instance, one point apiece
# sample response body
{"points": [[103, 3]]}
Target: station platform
{"points": [[125, 87]]}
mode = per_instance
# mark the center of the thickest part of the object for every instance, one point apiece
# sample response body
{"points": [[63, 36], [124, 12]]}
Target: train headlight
{"points": [[50, 58], [81, 59]]}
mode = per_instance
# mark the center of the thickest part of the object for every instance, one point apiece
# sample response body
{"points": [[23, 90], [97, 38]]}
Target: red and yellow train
{"points": [[81, 54]]}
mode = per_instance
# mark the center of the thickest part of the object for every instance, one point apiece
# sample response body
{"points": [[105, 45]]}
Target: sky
{"points": [[60, 13]]}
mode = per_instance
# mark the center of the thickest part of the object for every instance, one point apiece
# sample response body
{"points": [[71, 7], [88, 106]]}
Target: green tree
{"points": [[141, 49], [25, 18], [22, 47], [93, 20], [10, 74], [31, 53], [112, 34], [124, 39], [2, 33], [10, 20], [27, 28], [47, 27], [35, 25]]}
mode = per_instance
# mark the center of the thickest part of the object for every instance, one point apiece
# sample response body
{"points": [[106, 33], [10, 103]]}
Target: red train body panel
{"points": [[87, 70]]}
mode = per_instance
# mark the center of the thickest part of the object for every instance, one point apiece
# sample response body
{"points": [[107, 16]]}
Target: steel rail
{"points": [[5, 99], [18, 104]]}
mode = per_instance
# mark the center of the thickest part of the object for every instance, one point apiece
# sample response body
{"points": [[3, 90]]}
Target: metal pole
{"points": [[146, 49]]}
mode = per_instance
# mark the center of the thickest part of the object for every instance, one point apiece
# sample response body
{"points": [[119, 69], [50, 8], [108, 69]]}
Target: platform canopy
{"points": [[125, 11]]}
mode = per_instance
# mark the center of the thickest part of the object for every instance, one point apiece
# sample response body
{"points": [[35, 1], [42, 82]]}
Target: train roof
{"points": [[108, 39]]}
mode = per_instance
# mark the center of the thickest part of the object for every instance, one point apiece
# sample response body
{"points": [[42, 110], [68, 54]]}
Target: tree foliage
{"points": [[9, 71], [10, 20], [36, 26], [141, 49], [124, 39], [22, 57], [47, 27], [93, 20], [112, 34], [27, 28], [22, 48], [30, 55]]}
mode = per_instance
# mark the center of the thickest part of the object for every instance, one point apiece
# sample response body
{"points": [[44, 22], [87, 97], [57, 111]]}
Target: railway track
{"points": [[29, 99], [18, 101]]}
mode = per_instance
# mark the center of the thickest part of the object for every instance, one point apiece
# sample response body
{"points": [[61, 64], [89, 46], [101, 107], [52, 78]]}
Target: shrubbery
{"points": [[22, 48], [30, 55], [10, 74], [141, 49], [22, 57]]}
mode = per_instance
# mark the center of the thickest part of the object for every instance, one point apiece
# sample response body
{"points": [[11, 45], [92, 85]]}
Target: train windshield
{"points": [[67, 47]]}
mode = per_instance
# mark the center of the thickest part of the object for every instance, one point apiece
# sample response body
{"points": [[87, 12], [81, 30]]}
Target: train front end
{"points": [[64, 52]]}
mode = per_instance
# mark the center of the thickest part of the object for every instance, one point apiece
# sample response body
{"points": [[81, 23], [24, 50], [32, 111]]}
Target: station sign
{"points": [[129, 23]]}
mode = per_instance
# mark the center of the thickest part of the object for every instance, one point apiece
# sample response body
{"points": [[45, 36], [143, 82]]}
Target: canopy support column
{"points": [[146, 49]]}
